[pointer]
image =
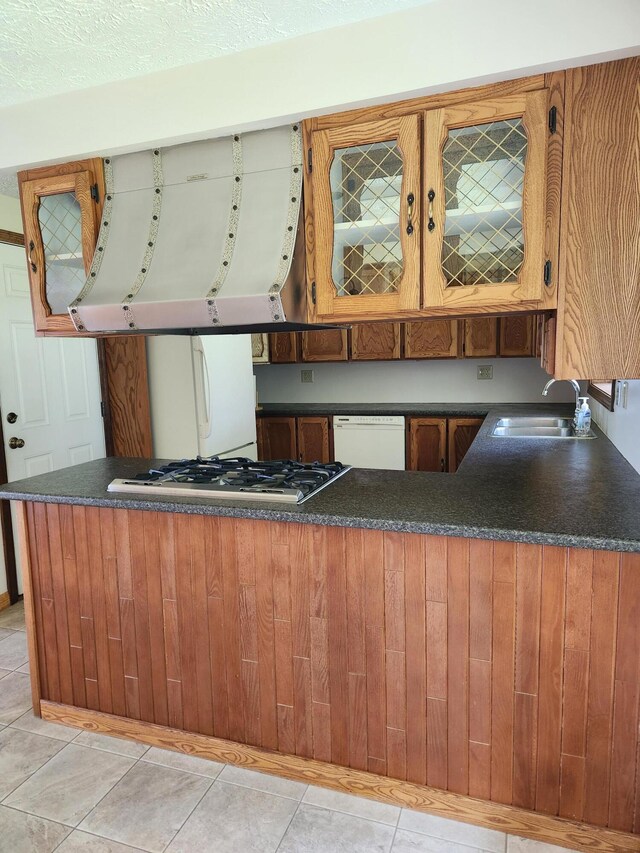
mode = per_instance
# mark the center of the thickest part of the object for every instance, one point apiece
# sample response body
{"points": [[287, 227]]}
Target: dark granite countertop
{"points": [[449, 410], [576, 493]]}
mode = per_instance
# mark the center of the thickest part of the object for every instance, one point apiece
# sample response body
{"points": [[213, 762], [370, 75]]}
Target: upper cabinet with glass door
{"points": [[366, 208], [484, 197], [61, 208]]}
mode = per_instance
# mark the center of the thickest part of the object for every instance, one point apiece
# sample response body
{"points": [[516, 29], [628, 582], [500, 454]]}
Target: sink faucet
{"points": [[576, 386]]}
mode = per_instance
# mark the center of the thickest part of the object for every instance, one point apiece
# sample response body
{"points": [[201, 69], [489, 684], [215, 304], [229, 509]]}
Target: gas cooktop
{"points": [[280, 480]]}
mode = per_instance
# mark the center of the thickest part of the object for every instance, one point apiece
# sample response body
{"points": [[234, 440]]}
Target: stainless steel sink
{"points": [[537, 427]]}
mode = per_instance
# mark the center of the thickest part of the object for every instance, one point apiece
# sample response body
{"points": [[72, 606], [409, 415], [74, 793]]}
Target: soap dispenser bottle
{"points": [[583, 422]]}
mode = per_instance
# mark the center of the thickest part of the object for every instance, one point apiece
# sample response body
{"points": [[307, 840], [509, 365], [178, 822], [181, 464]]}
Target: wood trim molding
{"points": [[4, 600], [29, 605], [12, 237], [553, 830], [6, 533]]}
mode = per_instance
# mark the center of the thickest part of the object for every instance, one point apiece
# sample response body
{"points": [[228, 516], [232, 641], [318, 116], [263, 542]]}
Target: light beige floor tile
{"points": [[263, 782], [6, 632], [453, 830], [15, 697], [24, 668], [180, 761], [82, 842], [30, 723], [414, 842], [70, 785], [4, 672], [515, 844], [13, 617], [315, 830], [357, 806], [13, 650], [21, 754], [24, 833], [231, 818], [147, 807], [95, 740]]}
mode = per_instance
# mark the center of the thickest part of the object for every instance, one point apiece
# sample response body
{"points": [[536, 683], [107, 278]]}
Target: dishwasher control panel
{"points": [[369, 420]]}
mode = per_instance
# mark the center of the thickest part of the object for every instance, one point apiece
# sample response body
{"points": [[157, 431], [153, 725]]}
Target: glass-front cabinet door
{"points": [[484, 202], [366, 199], [61, 215]]}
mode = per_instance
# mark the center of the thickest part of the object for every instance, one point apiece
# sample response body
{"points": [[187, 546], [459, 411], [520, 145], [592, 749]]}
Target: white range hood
{"points": [[201, 237]]}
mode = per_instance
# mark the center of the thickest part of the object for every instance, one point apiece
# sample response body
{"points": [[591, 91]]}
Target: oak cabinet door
{"points": [[517, 336], [366, 205], [462, 432], [480, 337], [314, 444], [61, 208], [431, 339], [278, 438], [375, 341], [283, 347], [427, 444], [328, 345], [484, 198]]}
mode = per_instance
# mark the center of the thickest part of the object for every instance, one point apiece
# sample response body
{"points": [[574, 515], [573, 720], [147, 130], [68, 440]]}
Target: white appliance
{"points": [[370, 441], [202, 395]]}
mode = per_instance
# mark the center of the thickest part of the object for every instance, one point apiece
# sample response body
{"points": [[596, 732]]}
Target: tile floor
{"points": [[68, 791]]}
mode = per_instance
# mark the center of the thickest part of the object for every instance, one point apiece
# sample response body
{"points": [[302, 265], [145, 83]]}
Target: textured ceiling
{"points": [[53, 46], [9, 184]]}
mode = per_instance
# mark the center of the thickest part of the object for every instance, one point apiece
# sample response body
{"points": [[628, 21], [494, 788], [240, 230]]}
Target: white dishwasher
{"points": [[370, 441]]}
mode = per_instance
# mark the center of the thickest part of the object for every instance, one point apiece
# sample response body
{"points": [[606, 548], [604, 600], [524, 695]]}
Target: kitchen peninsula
{"points": [[467, 643]]}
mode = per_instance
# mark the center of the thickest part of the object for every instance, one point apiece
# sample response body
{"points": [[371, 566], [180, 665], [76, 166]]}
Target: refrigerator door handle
{"points": [[203, 398]]}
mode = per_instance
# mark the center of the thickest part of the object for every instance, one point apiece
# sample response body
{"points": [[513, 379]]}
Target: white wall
{"points": [[10, 219], [442, 45], [621, 425], [514, 381]]}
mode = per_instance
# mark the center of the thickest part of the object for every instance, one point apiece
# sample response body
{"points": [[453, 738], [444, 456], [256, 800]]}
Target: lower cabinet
{"points": [[329, 345], [314, 440], [283, 347], [431, 339], [303, 439], [277, 438], [375, 342], [462, 431], [480, 337], [427, 444], [517, 336]]}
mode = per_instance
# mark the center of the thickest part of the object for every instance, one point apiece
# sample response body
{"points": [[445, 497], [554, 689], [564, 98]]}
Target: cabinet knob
{"points": [[16, 443], [442, 464]]}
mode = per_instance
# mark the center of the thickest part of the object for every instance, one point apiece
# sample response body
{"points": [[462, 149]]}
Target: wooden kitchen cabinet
{"points": [[427, 444], [462, 432], [277, 438], [431, 339], [375, 341], [517, 336], [61, 209], [314, 439], [366, 210], [484, 202], [328, 345], [480, 337], [284, 348], [598, 321]]}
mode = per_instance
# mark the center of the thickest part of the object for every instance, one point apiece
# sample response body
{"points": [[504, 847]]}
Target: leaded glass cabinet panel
{"points": [[61, 215], [484, 190], [367, 217]]}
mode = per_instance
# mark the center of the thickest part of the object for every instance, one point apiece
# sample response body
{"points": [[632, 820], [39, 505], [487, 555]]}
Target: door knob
{"points": [[12, 417], [15, 443]]}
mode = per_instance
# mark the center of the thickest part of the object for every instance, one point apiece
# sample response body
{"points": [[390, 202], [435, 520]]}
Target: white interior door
{"points": [[49, 387]]}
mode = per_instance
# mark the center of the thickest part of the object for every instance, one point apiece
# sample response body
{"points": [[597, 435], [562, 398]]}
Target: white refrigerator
{"points": [[202, 394]]}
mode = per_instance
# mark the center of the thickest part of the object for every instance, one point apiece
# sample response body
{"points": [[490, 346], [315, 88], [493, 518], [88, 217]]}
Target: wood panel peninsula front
{"points": [[491, 681]]}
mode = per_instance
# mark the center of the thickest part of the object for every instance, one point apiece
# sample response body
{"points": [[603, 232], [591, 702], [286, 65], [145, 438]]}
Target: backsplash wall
{"points": [[621, 425], [514, 380]]}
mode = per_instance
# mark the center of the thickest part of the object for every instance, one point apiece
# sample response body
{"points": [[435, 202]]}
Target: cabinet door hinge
{"points": [[553, 119], [547, 273], [95, 193], [313, 292], [310, 159]]}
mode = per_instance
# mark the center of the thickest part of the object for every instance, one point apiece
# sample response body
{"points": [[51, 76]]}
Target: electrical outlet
{"points": [[306, 376], [485, 371]]}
